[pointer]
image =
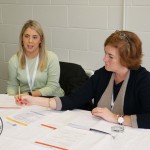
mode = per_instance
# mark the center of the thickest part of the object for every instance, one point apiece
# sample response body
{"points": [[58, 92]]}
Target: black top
{"points": [[136, 99], [116, 89]]}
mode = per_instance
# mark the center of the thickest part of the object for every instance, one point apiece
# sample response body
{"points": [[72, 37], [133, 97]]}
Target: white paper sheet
{"points": [[61, 119], [7, 101], [85, 120], [30, 115], [63, 138], [15, 144]]}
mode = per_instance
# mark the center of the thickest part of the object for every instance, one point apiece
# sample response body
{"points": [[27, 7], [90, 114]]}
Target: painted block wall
{"points": [[75, 29]]}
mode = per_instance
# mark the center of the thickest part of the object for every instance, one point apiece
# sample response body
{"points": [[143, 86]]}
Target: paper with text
{"points": [[89, 122], [63, 138]]}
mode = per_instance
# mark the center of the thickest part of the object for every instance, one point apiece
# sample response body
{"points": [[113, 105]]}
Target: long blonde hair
{"points": [[43, 58]]}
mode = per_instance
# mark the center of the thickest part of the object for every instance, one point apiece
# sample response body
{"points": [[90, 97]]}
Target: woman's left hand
{"points": [[105, 113]]}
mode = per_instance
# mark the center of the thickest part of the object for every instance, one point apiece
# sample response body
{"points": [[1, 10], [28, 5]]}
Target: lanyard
{"points": [[31, 80], [112, 102]]}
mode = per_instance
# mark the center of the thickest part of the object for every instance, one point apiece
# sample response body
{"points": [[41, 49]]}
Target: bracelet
{"points": [[30, 93]]}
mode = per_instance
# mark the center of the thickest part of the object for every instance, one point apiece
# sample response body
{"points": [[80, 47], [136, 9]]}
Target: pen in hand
{"points": [[19, 91]]}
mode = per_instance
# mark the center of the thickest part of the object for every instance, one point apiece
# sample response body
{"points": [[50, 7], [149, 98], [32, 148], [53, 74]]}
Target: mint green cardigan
{"points": [[47, 81]]}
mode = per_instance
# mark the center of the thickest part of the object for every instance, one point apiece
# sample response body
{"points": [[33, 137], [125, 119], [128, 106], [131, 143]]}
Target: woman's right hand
{"points": [[24, 99]]}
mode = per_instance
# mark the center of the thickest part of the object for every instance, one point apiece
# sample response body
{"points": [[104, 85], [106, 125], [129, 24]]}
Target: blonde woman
{"points": [[33, 68]]}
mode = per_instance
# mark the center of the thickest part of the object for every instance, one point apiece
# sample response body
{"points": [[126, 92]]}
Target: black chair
{"points": [[72, 76]]}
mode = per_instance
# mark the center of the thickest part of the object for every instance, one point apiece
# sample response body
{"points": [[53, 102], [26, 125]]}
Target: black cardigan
{"points": [[137, 96]]}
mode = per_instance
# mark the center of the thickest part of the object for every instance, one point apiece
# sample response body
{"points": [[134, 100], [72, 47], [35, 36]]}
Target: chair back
{"points": [[72, 76]]}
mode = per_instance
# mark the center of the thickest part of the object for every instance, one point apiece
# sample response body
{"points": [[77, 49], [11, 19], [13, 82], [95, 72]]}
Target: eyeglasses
{"points": [[123, 36]]}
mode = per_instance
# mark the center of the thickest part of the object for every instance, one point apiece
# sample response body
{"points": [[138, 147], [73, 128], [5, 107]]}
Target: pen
{"points": [[49, 145], [19, 90], [48, 126]]}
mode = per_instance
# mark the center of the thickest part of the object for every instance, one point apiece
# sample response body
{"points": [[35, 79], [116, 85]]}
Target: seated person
{"points": [[33, 68]]}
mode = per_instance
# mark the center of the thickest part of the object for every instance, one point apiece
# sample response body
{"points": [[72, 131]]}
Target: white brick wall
{"points": [[75, 29]]}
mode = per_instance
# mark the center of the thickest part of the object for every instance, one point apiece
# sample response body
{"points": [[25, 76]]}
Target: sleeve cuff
{"points": [[58, 103], [134, 121]]}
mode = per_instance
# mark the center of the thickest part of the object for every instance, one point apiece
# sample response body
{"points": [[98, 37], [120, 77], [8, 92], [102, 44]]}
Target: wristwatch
{"points": [[120, 119]]}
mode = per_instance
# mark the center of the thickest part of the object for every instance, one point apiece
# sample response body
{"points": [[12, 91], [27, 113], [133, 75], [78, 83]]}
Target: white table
{"points": [[39, 127]]}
